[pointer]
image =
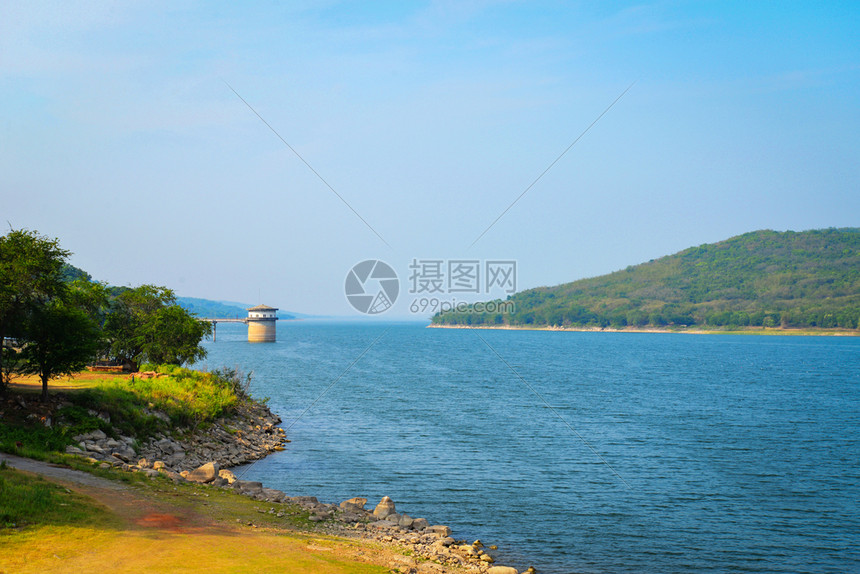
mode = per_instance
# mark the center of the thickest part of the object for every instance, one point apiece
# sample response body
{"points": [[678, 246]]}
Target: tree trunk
{"points": [[44, 377]]}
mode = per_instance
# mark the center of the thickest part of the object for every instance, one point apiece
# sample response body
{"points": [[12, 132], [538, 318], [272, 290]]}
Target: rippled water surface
{"points": [[677, 453]]}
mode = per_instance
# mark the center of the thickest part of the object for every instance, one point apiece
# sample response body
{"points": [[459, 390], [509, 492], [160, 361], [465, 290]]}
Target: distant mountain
{"points": [[200, 307], [220, 309], [763, 278]]}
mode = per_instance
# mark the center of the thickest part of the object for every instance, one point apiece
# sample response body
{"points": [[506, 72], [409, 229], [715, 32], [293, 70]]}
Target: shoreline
{"points": [[204, 457], [767, 331]]}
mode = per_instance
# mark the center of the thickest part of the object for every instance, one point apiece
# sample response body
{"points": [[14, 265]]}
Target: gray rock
{"points": [[175, 458], [355, 501], [420, 523], [227, 475], [405, 521], [384, 508], [125, 455], [74, 450], [205, 473], [92, 435], [439, 530], [384, 524], [273, 495], [350, 508], [248, 486], [304, 500], [348, 516]]}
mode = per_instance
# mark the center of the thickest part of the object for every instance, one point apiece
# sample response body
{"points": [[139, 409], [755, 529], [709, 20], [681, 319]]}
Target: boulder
{"points": [[227, 475], [273, 495], [384, 508], [158, 465], [501, 570], [92, 435], [393, 517], [248, 486], [405, 521], [349, 508], [176, 458], [439, 530], [420, 523], [384, 523], [355, 501], [205, 473], [126, 454]]}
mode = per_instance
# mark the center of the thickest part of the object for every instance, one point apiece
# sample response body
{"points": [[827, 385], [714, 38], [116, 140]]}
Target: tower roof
{"points": [[262, 308]]}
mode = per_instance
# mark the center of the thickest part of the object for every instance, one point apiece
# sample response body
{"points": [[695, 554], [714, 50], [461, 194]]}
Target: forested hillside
{"points": [[764, 278]]}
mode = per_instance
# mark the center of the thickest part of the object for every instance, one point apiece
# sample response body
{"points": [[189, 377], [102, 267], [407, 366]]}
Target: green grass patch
{"points": [[26, 500], [179, 399]]}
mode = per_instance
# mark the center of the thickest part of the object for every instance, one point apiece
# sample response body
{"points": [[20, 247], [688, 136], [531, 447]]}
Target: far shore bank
{"points": [[739, 331]]}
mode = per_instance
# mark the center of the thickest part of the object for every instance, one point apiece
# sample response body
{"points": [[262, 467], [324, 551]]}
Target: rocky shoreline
{"points": [[251, 433]]}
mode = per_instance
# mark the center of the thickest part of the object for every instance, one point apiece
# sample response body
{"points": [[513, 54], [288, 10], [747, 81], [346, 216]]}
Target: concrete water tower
{"points": [[261, 324]]}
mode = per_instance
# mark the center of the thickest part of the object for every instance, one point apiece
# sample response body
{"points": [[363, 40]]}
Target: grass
{"points": [[208, 529], [46, 528], [27, 501], [188, 399]]}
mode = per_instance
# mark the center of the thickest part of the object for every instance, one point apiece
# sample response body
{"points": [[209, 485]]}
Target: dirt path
{"points": [[60, 473], [151, 534]]}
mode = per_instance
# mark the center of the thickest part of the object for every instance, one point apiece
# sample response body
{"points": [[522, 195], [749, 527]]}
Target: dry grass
{"points": [[162, 528]]}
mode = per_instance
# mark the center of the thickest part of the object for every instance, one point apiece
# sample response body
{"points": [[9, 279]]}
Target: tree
{"points": [[173, 336], [58, 339], [30, 275], [146, 324]]}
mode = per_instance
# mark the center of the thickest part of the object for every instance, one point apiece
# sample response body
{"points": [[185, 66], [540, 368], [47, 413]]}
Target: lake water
{"points": [[676, 453]]}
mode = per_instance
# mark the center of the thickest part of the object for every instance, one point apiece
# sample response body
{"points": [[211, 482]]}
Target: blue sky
{"points": [[119, 135]]}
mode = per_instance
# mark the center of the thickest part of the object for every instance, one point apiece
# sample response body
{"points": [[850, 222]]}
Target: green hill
{"points": [[219, 309], [764, 278]]}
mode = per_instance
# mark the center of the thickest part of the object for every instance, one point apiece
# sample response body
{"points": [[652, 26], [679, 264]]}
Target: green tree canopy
{"points": [[30, 274], [146, 325], [58, 339], [53, 332], [759, 279]]}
